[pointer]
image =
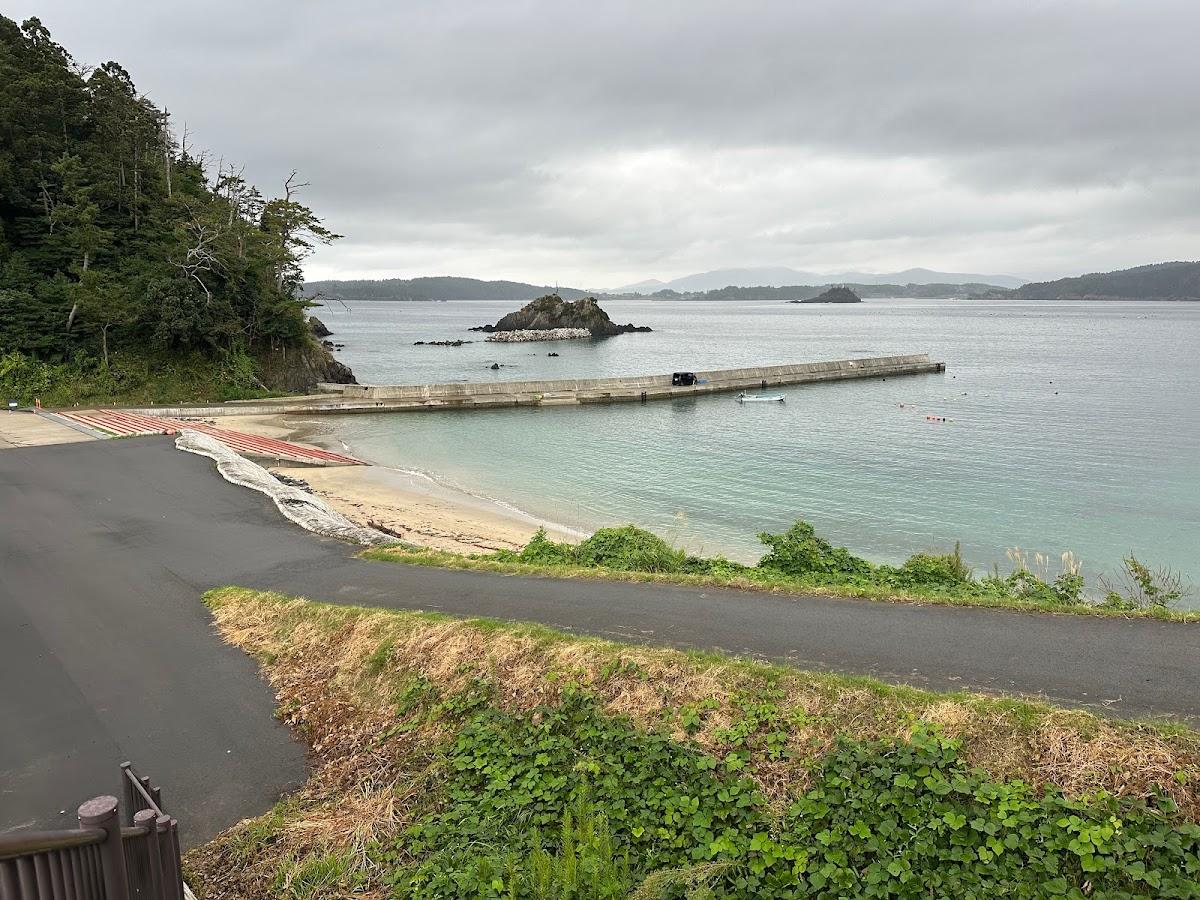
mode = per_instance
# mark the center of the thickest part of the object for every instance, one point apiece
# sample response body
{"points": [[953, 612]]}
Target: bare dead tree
{"points": [[199, 258], [290, 188], [50, 206], [165, 145]]}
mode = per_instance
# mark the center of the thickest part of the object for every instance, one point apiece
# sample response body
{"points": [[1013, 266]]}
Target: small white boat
{"points": [[760, 398]]}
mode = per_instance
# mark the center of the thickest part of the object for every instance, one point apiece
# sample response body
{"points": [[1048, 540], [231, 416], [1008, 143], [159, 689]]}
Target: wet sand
{"points": [[415, 508]]}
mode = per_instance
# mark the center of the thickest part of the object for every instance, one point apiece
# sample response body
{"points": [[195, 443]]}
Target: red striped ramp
{"points": [[120, 423]]}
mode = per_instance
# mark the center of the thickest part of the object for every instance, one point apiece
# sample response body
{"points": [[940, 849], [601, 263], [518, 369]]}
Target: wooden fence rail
{"points": [[126, 851]]}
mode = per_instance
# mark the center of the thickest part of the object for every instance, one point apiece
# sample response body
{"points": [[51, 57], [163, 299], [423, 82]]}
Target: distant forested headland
{"points": [[436, 288], [1161, 281], [130, 267]]}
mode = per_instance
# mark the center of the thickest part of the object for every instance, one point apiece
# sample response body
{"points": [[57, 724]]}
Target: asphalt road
{"points": [[107, 654]]}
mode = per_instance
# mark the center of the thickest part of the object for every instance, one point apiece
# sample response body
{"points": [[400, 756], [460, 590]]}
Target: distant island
{"points": [[839, 294], [554, 315], [780, 276], [1161, 281], [801, 292]]}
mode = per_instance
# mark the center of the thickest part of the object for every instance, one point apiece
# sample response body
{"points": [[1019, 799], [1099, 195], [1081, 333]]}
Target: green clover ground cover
{"points": [[569, 802]]}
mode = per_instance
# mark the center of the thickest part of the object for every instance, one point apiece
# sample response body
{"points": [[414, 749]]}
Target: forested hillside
{"points": [[1161, 281], [129, 265], [437, 288]]}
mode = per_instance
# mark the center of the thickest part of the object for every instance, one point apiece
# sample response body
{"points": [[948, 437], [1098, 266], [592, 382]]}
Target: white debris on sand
{"points": [[548, 334], [306, 510]]}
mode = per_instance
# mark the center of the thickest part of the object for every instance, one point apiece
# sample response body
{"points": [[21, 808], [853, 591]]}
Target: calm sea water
{"points": [[1076, 426]]}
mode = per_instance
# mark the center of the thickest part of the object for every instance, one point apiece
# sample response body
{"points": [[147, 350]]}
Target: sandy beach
{"points": [[414, 507]]}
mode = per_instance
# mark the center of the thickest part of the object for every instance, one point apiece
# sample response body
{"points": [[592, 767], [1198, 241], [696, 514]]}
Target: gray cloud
{"points": [[600, 143]]}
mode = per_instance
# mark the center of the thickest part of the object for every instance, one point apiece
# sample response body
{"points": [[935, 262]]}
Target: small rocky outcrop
{"points": [[552, 313], [317, 328], [440, 343], [300, 369], [840, 294]]}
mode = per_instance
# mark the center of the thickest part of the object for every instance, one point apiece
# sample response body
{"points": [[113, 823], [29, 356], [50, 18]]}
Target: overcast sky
{"points": [[599, 143]]}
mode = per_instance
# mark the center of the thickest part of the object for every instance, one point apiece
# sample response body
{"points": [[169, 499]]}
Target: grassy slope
{"points": [[133, 379], [345, 678], [760, 582]]}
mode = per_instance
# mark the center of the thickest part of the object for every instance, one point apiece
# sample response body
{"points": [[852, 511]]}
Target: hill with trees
{"points": [[804, 292], [129, 267], [436, 288], [781, 276], [1160, 281]]}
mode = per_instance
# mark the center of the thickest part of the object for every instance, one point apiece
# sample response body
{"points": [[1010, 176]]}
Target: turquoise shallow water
{"points": [[1075, 426]]}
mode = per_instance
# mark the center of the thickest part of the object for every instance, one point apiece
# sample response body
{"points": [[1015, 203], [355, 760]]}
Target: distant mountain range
{"points": [[779, 276], [1161, 281]]}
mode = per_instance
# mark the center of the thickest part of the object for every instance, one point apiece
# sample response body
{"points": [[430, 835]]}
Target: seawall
{"points": [[354, 398]]}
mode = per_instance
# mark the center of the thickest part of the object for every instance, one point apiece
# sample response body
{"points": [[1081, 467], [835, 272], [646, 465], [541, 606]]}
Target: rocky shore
{"points": [[541, 334]]}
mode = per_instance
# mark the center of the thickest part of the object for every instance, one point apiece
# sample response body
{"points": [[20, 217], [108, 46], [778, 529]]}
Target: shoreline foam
{"points": [[414, 505]]}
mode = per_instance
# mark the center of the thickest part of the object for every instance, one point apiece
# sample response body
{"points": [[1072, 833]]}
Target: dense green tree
{"points": [[114, 236]]}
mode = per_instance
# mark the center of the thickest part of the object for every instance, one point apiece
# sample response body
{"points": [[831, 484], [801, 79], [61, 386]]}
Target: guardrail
{"points": [[121, 851]]}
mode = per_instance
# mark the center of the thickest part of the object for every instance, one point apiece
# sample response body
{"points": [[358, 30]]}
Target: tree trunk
{"points": [[104, 343], [71, 317], [166, 144], [137, 183]]}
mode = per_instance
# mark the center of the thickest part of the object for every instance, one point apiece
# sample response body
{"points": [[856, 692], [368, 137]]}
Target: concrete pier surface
{"points": [[26, 429], [355, 398]]}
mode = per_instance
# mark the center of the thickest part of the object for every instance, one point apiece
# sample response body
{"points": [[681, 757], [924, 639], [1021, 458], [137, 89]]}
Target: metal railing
{"points": [[119, 852]]}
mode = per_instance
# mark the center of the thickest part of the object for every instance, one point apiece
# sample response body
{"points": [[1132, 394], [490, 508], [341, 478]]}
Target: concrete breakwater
{"points": [[629, 388], [364, 398]]}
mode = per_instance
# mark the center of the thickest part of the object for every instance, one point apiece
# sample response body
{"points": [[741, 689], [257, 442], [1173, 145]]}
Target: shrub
{"points": [[718, 567], [1068, 588], [799, 551], [22, 377], [630, 549], [1024, 585], [942, 571], [1137, 586], [542, 551]]}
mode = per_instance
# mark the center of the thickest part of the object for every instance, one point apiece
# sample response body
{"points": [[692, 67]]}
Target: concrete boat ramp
{"points": [[364, 398], [68, 426]]}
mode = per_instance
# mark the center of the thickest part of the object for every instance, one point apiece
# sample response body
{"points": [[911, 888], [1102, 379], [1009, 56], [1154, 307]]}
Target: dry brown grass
{"points": [[337, 672]]}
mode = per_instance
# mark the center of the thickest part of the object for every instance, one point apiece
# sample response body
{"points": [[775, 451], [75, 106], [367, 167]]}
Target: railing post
{"points": [[102, 812], [130, 806], [171, 874], [177, 854], [145, 818], [154, 793]]}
